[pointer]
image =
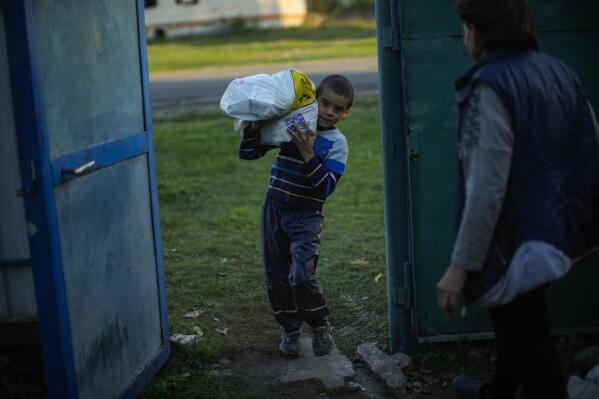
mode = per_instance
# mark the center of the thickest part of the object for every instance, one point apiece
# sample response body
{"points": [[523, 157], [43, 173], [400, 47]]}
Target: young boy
{"points": [[304, 174]]}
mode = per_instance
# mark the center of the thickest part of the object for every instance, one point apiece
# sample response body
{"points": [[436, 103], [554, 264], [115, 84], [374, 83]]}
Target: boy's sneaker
{"points": [[322, 340], [290, 343]]}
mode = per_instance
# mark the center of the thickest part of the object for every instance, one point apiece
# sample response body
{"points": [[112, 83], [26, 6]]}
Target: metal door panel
{"points": [[109, 275], [578, 50], [90, 70], [434, 18], [431, 66]]}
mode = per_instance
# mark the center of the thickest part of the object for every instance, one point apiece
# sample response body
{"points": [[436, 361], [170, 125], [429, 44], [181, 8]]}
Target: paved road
{"points": [[184, 90]]}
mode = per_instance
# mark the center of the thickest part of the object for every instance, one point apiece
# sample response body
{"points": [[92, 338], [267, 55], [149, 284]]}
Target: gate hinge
{"points": [[401, 297], [388, 37], [413, 143]]}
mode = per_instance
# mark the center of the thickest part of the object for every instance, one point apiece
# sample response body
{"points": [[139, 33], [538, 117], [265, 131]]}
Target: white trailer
{"points": [[184, 17]]}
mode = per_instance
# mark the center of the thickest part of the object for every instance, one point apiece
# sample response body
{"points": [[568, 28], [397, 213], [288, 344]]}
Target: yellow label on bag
{"points": [[305, 92]]}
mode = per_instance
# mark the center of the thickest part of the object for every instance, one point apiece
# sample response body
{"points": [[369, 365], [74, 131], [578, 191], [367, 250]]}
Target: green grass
{"points": [[210, 210], [339, 39]]}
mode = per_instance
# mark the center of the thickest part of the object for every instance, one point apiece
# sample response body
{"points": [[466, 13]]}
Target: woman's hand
{"points": [[449, 289]]}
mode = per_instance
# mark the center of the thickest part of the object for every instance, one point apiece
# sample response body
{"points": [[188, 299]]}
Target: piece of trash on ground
{"points": [[183, 339], [359, 262], [195, 312], [378, 277], [198, 331], [223, 331]]}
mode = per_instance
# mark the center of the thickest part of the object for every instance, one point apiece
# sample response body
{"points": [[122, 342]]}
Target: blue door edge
{"points": [[39, 199], [153, 175], [145, 376]]}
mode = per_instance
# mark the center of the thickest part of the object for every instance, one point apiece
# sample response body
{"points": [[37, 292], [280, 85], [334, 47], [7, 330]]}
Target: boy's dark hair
{"points": [[340, 85], [500, 24]]}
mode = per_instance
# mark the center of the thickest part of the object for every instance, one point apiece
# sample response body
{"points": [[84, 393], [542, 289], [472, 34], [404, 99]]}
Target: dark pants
{"points": [[290, 242], [526, 356]]}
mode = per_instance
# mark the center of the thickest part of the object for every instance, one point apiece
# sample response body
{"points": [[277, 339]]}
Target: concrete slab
{"points": [[331, 369], [385, 367]]}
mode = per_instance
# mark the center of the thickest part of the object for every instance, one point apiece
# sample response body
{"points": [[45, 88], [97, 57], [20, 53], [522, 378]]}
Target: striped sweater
{"points": [[299, 184]]}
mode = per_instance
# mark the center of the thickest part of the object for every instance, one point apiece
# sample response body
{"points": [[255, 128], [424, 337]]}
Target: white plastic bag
{"points": [[257, 97], [274, 132], [263, 96]]}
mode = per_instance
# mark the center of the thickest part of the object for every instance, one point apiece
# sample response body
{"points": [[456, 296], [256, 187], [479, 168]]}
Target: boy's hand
{"points": [[304, 139]]}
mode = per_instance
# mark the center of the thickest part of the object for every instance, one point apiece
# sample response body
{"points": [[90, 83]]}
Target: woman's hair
{"points": [[500, 24], [340, 85]]}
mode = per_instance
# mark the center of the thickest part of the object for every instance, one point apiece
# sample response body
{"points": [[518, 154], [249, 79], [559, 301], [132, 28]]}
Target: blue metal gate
{"points": [[79, 82]]}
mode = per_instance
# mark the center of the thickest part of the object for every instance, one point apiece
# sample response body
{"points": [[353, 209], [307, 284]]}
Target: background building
{"points": [[183, 17]]}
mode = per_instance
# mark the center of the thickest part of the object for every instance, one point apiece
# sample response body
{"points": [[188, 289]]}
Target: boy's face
{"points": [[331, 108]]}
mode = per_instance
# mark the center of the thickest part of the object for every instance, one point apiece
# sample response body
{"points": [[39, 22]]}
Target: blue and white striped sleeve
{"points": [[250, 147], [324, 175]]}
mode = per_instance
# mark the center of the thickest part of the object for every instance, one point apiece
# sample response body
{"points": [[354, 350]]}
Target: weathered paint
{"points": [[110, 274], [105, 352], [93, 91]]}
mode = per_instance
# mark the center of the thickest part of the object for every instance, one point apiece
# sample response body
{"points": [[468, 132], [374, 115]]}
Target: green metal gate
{"points": [[420, 55]]}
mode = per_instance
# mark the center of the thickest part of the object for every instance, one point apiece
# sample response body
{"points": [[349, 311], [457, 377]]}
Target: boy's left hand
{"points": [[304, 139]]}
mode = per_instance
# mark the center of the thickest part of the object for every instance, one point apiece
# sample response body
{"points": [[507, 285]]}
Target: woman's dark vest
{"points": [[553, 186]]}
